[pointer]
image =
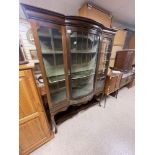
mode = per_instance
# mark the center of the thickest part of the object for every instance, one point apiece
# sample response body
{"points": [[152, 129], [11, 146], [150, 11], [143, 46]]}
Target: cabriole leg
{"points": [[54, 126], [100, 99], [105, 100]]}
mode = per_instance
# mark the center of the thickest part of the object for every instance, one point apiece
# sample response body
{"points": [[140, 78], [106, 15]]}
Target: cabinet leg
{"points": [[116, 94], [54, 126], [100, 99], [105, 100]]}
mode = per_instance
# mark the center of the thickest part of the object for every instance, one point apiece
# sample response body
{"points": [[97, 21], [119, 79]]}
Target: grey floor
{"points": [[97, 131]]}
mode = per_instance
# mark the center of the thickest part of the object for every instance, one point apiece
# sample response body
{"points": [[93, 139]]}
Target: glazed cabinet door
{"points": [[83, 53], [33, 126], [50, 40], [103, 61]]}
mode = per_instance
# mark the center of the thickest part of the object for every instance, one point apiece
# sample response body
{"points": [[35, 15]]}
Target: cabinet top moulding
{"points": [[40, 14]]}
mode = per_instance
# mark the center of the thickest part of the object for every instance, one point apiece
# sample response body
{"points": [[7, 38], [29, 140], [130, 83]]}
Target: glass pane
{"points": [[51, 46], [104, 54], [57, 40], [103, 61], [84, 48], [58, 91], [100, 84], [82, 86]]}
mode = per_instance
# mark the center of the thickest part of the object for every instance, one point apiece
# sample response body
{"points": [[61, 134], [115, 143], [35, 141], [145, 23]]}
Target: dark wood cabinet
{"points": [[73, 54], [124, 60], [112, 83], [127, 78]]}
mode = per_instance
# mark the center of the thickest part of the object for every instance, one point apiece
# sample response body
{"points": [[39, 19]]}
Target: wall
{"points": [[24, 27]]}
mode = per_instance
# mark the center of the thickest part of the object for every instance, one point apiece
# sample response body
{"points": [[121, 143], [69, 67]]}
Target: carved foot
{"points": [[54, 126], [105, 100]]}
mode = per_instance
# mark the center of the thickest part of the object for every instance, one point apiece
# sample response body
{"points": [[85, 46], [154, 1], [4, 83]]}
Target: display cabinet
{"points": [[73, 55], [104, 57]]}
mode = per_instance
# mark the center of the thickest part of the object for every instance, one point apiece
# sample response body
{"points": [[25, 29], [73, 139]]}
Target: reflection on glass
{"points": [[51, 46], [103, 61], [82, 86], [83, 48], [100, 84]]}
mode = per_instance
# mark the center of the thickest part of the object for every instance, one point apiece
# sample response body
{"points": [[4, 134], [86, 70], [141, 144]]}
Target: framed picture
{"points": [[30, 37], [37, 68], [34, 54]]}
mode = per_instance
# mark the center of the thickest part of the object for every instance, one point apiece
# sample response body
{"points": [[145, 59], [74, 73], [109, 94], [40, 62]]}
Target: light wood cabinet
{"points": [[132, 42], [119, 38], [114, 50], [94, 12], [118, 44], [33, 125]]}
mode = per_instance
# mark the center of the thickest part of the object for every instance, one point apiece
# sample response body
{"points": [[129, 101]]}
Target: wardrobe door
{"points": [[83, 49]]}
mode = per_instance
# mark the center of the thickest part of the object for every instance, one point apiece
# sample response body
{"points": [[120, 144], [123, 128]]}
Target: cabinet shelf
{"points": [[51, 82], [81, 77], [83, 51], [54, 52], [58, 94]]}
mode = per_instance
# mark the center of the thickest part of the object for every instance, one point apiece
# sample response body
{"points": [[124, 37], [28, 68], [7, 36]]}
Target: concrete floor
{"points": [[97, 131]]}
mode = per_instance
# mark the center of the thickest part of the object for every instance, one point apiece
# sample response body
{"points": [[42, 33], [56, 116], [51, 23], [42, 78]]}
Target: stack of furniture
{"points": [[123, 39], [122, 74], [92, 11], [73, 54], [34, 129], [118, 44]]}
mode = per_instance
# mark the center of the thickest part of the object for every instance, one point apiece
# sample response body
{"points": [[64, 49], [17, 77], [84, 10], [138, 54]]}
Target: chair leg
{"points": [[54, 125]]}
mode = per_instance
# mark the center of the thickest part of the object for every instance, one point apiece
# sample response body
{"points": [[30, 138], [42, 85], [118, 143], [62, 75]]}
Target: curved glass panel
{"points": [[83, 52], [103, 62]]}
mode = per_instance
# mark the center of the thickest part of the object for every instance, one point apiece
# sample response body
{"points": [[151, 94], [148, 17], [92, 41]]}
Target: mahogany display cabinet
{"points": [[74, 55]]}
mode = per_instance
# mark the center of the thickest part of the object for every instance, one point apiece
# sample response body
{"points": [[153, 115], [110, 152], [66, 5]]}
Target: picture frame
{"points": [[30, 36], [34, 55], [37, 68]]}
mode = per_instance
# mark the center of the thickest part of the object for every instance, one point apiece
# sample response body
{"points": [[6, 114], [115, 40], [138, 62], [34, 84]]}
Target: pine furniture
{"points": [[34, 129]]}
